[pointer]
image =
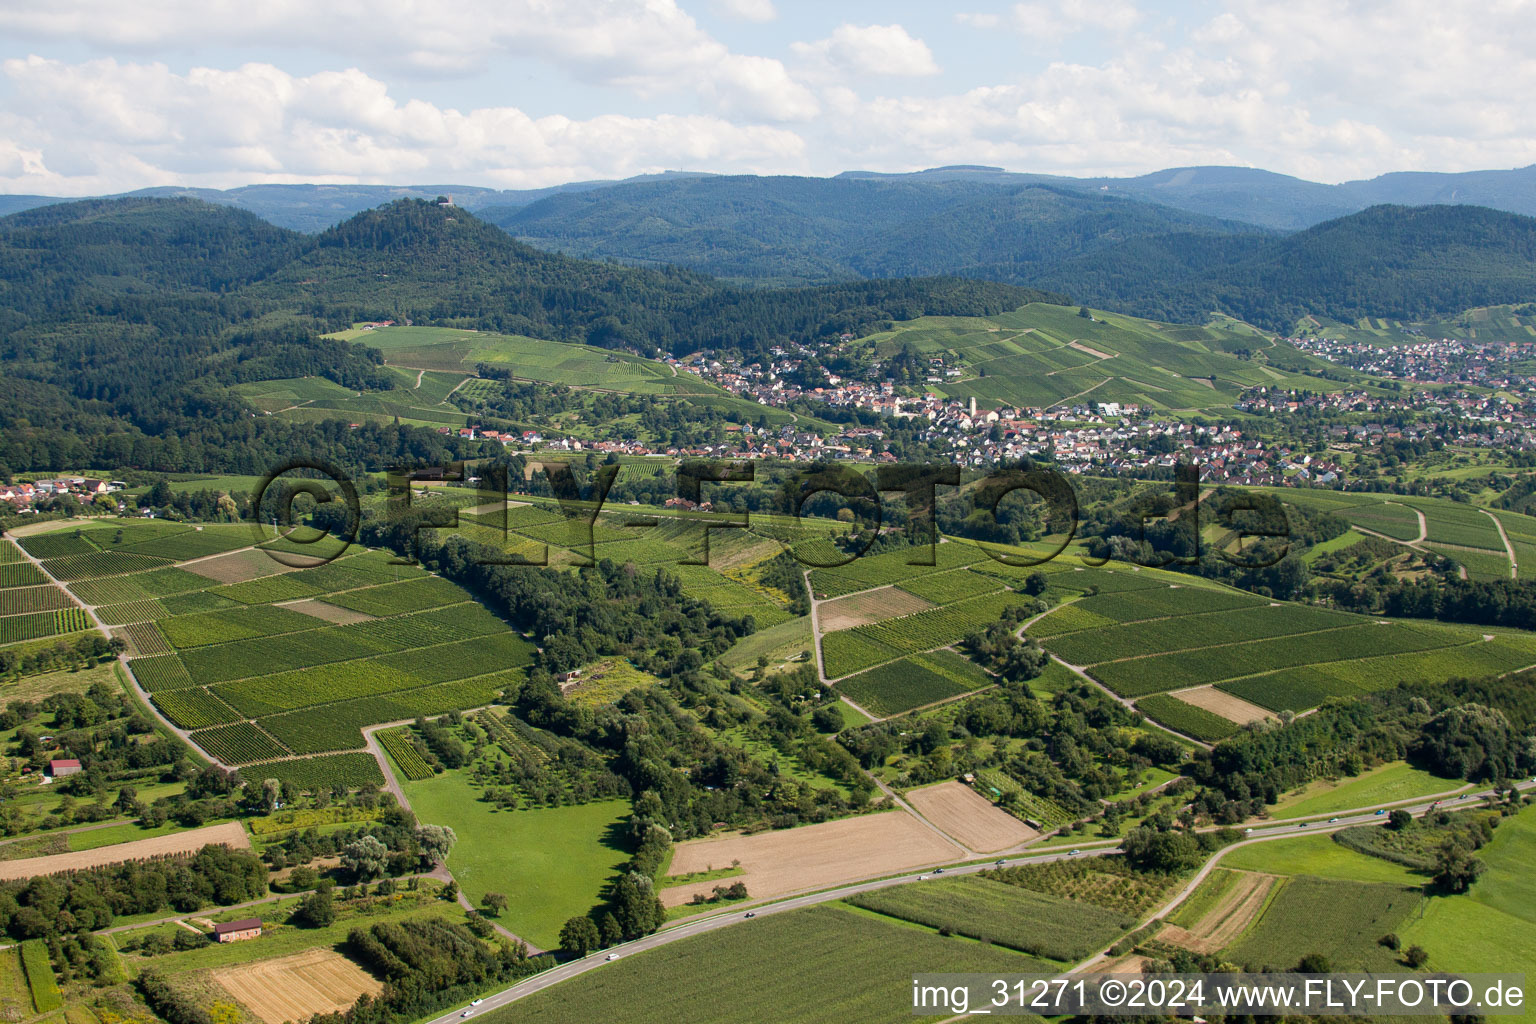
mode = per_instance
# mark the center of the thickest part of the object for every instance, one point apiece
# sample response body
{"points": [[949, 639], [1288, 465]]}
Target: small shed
{"points": [[234, 931], [63, 766]]}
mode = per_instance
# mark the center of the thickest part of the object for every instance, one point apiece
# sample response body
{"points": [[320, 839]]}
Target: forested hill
{"points": [[787, 229], [124, 322], [1392, 261]]}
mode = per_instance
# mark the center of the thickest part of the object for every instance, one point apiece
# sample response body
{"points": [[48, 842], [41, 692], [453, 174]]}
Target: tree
{"points": [[494, 903], [1416, 957], [1399, 820], [1456, 869], [301, 878], [1035, 584], [579, 936], [1315, 963], [365, 858], [271, 793], [435, 841], [317, 910]]}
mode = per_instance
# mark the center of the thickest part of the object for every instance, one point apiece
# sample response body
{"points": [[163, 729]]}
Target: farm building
{"points": [[63, 766], [234, 931]]}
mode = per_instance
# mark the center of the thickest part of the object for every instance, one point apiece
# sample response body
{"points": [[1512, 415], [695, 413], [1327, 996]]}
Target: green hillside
{"points": [[1044, 355]]}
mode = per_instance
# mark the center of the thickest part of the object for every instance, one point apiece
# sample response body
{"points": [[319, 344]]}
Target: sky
{"points": [[99, 96]]}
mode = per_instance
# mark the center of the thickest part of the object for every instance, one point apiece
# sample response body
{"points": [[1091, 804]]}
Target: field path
{"points": [[1509, 549], [123, 662]]}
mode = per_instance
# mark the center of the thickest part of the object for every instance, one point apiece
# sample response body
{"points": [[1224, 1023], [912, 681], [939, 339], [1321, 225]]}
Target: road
{"points": [[1509, 549], [1282, 829]]}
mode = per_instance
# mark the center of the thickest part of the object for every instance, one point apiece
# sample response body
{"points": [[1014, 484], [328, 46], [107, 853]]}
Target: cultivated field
{"points": [[1236, 908], [813, 856], [967, 816], [298, 987], [860, 609], [230, 834], [329, 612], [238, 566], [1233, 709]]}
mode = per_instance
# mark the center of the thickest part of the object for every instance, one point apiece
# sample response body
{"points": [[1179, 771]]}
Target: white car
{"points": [[1333, 821], [922, 878], [1247, 830], [1073, 853], [476, 1002], [611, 956], [466, 1013]]}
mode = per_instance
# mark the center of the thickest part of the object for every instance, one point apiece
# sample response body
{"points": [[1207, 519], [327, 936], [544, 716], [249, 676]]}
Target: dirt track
{"points": [[813, 856], [967, 816], [231, 834], [298, 987]]}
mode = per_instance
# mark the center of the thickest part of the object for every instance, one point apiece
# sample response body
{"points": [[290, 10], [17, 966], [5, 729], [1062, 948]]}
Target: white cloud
{"points": [[872, 50], [748, 10], [105, 126], [651, 47]]}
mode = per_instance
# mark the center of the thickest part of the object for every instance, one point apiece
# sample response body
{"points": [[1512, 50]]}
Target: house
{"points": [[63, 766], [235, 931], [566, 677]]}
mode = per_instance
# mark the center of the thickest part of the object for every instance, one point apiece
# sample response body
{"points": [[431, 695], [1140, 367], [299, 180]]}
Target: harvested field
{"points": [[970, 818], [813, 856], [1124, 965], [493, 506], [862, 609], [298, 987], [237, 566], [1091, 351], [231, 834], [1219, 702], [328, 612], [1222, 925]]}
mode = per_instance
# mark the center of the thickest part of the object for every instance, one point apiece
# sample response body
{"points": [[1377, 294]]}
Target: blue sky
{"points": [[100, 96]]}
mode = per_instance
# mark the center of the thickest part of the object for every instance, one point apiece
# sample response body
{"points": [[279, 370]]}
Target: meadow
{"points": [[550, 862], [1341, 920]]}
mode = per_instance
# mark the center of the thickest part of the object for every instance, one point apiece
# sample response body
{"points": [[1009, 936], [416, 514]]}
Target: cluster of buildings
{"points": [[26, 495], [1478, 419], [1490, 364]]}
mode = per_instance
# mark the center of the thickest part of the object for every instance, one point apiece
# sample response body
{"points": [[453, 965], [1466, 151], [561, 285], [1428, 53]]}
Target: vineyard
{"points": [[201, 630], [892, 567], [101, 563], [1007, 915], [194, 708], [850, 651], [1158, 636], [240, 743], [1186, 718], [312, 773], [165, 672], [913, 682], [34, 625], [402, 749], [21, 600], [954, 585], [1186, 668], [21, 574]]}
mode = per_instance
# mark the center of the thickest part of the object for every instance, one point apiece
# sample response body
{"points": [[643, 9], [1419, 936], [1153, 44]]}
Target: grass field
{"points": [[1492, 928], [1341, 920], [1319, 856], [551, 863], [1383, 785], [790, 968]]}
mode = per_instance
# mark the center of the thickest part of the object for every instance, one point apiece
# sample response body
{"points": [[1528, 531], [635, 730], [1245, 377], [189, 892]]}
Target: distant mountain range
{"points": [[1251, 196]]}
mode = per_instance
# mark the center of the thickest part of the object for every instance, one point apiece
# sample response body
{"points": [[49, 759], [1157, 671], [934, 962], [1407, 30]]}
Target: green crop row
{"points": [[240, 743], [939, 627], [897, 687], [193, 707], [1186, 718], [313, 773], [146, 610], [893, 567], [184, 631], [21, 574], [406, 757], [848, 651], [41, 624], [165, 672], [40, 980], [21, 600], [58, 545], [1162, 602], [1185, 632], [952, 585], [102, 563], [400, 598], [1212, 664]]}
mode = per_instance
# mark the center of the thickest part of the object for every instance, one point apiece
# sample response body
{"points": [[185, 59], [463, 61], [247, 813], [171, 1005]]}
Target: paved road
{"points": [[698, 926]]}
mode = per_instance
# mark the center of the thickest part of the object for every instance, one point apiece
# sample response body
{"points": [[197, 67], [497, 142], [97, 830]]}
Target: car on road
{"points": [[1073, 853], [1001, 862], [476, 1002], [1333, 821], [467, 1013], [750, 913], [1247, 830], [610, 956], [1380, 811], [1301, 824], [938, 871], [922, 878]]}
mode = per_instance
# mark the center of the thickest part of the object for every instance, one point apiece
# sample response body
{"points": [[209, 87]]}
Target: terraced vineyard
{"points": [[912, 682]]}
